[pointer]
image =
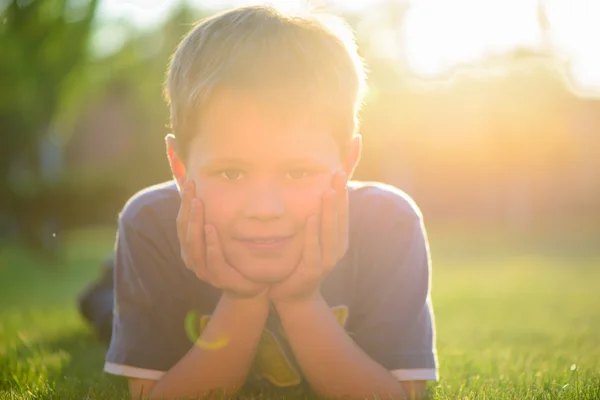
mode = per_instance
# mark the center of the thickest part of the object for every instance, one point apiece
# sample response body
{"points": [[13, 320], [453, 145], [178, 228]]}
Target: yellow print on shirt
{"points": [[271, 361]]}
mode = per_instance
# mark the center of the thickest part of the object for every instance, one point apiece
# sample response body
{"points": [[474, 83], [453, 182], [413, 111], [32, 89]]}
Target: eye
{"points": [[231, 174], [298, 173]]}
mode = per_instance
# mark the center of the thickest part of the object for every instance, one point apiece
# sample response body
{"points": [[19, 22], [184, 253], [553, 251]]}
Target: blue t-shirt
{"points": [[379, 291]]}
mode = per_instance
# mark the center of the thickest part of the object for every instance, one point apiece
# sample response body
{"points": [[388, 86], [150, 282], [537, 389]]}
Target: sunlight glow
{"points": [[575, 34], [145, 13], [442, 35], [438, 35]]}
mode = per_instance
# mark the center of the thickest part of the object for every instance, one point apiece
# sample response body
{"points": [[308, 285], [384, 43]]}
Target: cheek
{"points": [[306, 201], [219, 205]]}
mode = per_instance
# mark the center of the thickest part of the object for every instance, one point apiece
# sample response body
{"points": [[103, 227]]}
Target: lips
{"points": [[265, 242]]}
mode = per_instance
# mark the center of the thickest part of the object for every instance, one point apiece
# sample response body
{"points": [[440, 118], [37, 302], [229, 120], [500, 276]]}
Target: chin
{"points": [[266, 271], [266, 279]]}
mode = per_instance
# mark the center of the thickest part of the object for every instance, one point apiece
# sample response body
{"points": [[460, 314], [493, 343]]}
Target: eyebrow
{"points": [[240, 161], [226, 161], [304, 160]]}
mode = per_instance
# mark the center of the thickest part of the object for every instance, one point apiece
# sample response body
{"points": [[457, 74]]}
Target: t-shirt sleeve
{"points": [[394, 320], [148, 335]]}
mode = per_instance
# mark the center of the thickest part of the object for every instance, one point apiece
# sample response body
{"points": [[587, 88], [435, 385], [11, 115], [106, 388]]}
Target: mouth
{"points": [[265, 243]]}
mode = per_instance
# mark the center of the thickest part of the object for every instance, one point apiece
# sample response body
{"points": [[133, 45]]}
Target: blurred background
{"points": [[486, 112]]}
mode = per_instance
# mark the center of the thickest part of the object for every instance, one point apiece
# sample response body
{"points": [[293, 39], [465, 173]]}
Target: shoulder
{"points": [[156, 204], [374, 203], [387, 235]]}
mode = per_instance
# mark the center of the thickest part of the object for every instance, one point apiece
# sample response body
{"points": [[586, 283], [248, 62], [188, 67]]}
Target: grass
{"points": [[515, 320]]}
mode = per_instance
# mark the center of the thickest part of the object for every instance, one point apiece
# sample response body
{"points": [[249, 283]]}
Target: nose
{"points": [[265, 202]]}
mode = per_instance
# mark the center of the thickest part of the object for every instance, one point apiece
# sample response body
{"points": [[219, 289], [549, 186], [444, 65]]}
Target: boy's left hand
{"points": [[325, 243]]}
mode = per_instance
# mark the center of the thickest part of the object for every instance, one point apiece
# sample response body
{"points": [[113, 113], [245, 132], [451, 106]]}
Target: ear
{"points": [[353, 154], [176, 163]]}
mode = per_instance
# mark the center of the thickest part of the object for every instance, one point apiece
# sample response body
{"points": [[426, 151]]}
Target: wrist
{"points": [[298, 303]]}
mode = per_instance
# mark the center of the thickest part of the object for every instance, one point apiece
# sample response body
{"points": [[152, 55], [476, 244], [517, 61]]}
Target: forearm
{"points": [[332, 363], [238, 324]]}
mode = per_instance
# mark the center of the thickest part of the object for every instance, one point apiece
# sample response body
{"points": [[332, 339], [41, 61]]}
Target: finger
{"points": [[194, 245], [184, 211], [222, 275], [342, 205], [329, 230], [312, 247], [214, 254]]}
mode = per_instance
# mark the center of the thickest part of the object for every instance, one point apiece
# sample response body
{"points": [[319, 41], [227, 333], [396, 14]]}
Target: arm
{"points": [[142, 387], [392, 322], [148, 330], [332, 362], [238, 320], [203, 369]]}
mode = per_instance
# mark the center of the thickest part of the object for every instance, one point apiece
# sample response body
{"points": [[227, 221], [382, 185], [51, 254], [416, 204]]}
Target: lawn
{"points": [[515, 320]]}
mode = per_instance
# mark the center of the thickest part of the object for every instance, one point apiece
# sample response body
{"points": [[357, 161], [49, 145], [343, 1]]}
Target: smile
{"points": [[266, 243]]}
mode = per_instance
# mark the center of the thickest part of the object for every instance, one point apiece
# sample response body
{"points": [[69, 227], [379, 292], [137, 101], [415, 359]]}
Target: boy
{"points": [[259, 264]]}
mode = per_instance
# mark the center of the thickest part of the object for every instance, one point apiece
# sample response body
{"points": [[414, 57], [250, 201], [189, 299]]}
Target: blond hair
{"points": [[294, 63]]}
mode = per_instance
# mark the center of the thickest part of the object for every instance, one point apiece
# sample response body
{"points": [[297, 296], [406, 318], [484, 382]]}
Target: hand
{"points": [[201, 250], [319, 256]]}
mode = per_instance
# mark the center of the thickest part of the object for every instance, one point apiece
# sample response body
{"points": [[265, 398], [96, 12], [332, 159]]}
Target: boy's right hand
{"points": [[201, 250]]}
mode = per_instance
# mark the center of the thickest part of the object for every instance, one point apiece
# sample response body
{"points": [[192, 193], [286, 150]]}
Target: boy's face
{"points": [[259, 180]]}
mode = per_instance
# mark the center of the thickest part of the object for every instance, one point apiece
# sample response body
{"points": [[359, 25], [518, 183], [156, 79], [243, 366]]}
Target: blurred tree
{"points": [[139, 68], [113, 119], [41, 43]]}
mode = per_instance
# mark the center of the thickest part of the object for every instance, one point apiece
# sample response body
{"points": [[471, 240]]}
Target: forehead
{"points": [[238, 125]]}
